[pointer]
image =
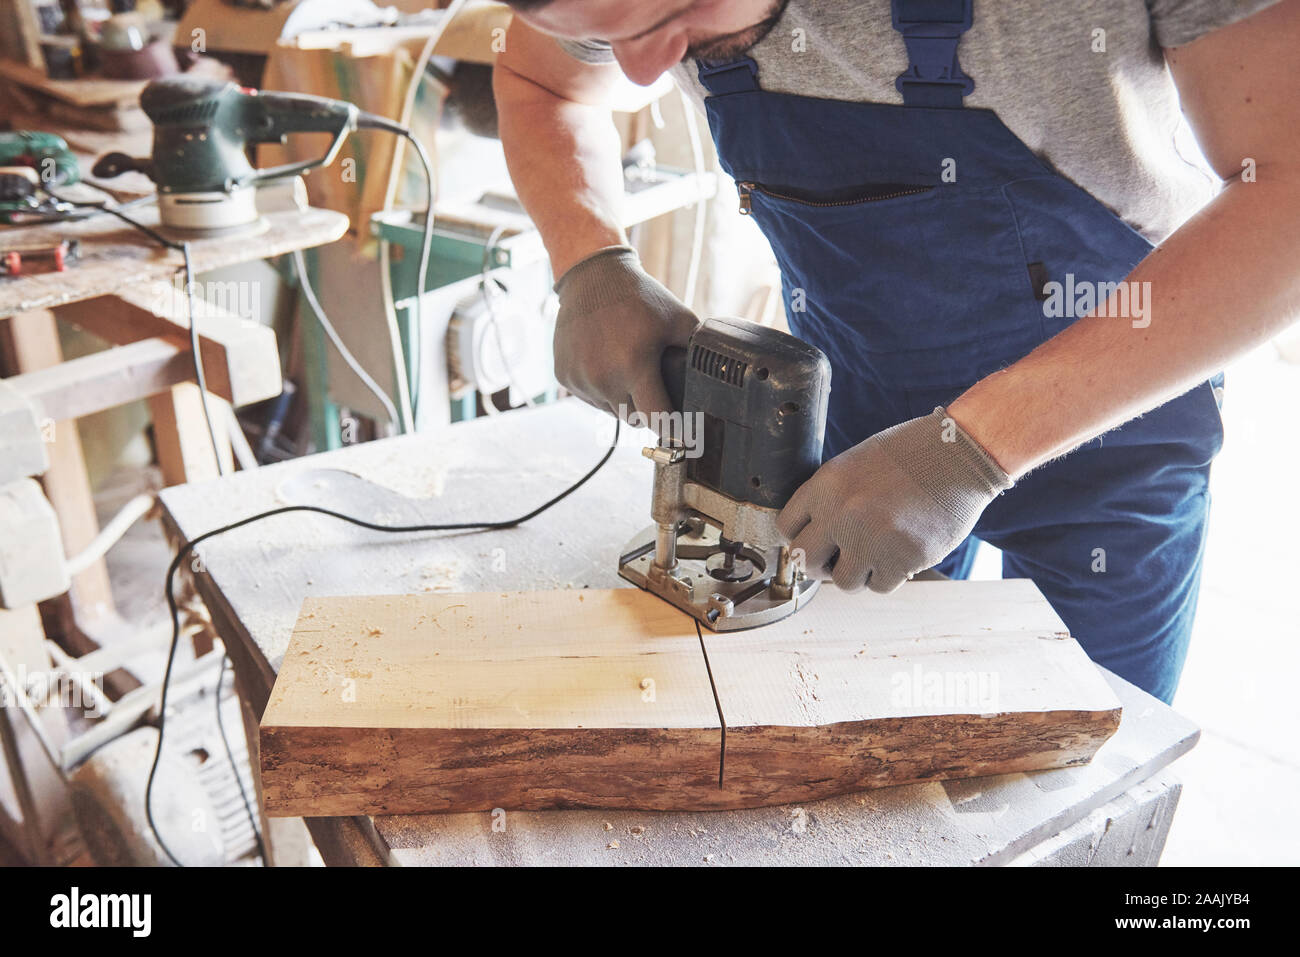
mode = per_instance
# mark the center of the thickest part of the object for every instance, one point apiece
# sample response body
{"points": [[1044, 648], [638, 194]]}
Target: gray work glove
{"points": [[893, 505], [614, 323]]}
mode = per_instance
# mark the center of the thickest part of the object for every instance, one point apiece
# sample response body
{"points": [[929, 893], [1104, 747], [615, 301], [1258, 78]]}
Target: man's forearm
{"points": [[564, 161], [1225, 282]]}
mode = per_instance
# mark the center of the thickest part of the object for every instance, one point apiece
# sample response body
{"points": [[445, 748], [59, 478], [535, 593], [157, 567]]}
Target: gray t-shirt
{"points": [[1083, 84]]}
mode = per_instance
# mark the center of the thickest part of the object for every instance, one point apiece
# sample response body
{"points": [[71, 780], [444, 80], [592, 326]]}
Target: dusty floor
{"points": [[1240, 782]]}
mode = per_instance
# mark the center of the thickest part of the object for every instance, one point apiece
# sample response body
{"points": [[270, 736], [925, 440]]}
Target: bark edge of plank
{"points": [[604, 698]]}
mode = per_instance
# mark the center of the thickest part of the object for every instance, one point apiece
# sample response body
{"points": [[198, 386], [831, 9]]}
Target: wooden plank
{"points": [[21, 40], [181, 435], [30, 788], [139, 370], [533, 700], [241, 361], [28, 342], [937, 680], [976, 822], [514, 700], [115, 258], [22, 439], [104, 380], [82, 92]]}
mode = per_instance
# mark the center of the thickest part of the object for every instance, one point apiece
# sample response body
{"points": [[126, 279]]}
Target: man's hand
{"points": [[614, 323], [893, 505]]}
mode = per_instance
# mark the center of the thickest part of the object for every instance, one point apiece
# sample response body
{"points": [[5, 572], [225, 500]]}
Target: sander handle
{"points": [[276, 115]]}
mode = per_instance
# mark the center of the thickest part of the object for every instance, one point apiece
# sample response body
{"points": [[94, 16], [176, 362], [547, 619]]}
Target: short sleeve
{"points": [[1175, 23], [587, 51]]}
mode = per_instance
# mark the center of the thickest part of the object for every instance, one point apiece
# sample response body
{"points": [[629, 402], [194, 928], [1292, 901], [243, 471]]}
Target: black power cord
{"points": [[184, 249], [230, 759], [201, 379], [190, 545], [365, 120]]}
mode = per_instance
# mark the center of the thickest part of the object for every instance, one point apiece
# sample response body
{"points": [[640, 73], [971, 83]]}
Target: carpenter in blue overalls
{"points": [[916, 287]]}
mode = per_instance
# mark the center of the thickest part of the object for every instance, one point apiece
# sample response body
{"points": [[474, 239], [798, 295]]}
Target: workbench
{"points": [[121, 288], [1116, 810]]}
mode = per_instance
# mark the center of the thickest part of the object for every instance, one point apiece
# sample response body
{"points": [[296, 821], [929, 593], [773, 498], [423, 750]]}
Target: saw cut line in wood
{"points": [[610, 698]]}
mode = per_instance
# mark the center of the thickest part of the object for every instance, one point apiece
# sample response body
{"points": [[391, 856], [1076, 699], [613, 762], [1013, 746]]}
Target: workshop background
{"points": [[477, 346]]}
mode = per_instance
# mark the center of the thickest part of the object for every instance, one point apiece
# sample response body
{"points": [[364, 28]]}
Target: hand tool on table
{"points": [[28, 162], [753, 413], [16, 260], [206, 185]]}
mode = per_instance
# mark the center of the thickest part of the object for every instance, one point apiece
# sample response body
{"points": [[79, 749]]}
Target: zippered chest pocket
{"points": [[908, 284], [847, 196]]}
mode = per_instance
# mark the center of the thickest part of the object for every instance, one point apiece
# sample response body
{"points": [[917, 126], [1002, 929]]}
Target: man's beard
{"points": [[731, 45]]}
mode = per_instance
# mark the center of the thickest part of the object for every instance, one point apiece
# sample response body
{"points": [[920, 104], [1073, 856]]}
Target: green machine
{"points": [[29, 161]]}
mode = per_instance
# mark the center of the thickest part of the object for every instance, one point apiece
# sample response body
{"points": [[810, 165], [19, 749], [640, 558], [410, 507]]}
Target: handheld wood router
{"points": [[202, 128], [752, 404]]}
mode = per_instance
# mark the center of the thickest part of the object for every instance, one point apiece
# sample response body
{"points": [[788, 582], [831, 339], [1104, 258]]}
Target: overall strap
{"points": [[931, 30], [730, 76]]}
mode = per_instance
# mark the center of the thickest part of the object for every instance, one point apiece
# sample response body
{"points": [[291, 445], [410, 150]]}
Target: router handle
{"points": [[672, 365]]}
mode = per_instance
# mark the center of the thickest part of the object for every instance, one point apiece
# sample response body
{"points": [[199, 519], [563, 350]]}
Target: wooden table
{"points": [[1115, 810], [115, 257], [122, 289]]}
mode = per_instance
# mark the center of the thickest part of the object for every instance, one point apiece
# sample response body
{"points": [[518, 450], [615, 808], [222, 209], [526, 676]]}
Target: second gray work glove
{"points": [[893, 505], [614, 323]]}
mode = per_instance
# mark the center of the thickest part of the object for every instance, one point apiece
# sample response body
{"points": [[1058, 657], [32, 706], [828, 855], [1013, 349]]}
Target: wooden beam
{"points": [[25, 40], [31, 791], [185, 452], [115, 258], [22, 438], [241, 361], [105, 380], [29, 341], [412, 704]]}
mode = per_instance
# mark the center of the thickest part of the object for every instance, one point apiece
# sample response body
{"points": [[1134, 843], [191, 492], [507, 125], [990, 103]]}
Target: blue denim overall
{"points": [[916, 246]]}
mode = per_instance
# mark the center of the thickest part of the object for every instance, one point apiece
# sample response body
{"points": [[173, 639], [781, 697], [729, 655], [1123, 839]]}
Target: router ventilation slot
{"points": [[718, 366]]}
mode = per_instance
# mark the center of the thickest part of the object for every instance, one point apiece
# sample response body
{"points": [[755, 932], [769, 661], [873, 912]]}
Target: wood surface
{"points": [[108, 106], [20, 34], [241, 361], [937, 680], [115, 257], [30, 815], [611, 698], [531, 699], [30, 342], [184, 446], [255, 579], [80, 92], [104, 380]]}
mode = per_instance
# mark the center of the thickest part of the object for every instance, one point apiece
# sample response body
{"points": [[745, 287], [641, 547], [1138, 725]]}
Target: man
{"points": [[985, 219]]}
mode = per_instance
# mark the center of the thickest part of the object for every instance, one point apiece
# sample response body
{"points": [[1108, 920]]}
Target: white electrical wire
{"points": [[128, 515], [300, 267], [408, 386], [407, 421]]}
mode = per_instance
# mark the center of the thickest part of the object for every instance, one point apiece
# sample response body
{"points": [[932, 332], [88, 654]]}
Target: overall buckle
{"points": [[728, 76], [931, 30]]}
